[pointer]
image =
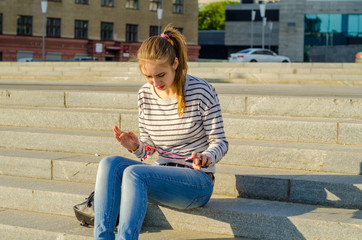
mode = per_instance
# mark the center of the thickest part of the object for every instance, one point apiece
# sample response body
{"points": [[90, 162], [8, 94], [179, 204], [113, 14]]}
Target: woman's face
{"points": [[160, 76]]}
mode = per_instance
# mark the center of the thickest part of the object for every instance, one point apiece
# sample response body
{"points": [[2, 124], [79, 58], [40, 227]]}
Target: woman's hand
{"points": [[127, 139], [200, 160]]}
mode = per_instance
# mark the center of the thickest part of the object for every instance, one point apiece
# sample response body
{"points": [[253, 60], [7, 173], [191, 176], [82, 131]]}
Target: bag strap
{"points": [[90, 199]]}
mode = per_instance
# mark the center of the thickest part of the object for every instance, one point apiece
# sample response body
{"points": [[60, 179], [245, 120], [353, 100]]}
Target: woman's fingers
{"points": [[117, 133], [200, 160], [117, 130], [127, 139]]}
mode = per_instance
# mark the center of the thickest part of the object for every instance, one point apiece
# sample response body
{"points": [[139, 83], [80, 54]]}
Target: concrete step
{"points": [[73, 97], [44, 196], [212, 66], [297, 156], [61, 140], [256, 78], [291, 129], [59, 166], [315, 157], [23, 225], [65, 118], [282, 77], [265, 219], [132, 67], [328, 74], [328, 189], [255, 100], [222, 215], [274, 65]]}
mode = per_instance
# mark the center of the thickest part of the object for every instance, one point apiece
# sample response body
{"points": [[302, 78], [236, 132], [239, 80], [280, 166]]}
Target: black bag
{"points": [[85, 211]]}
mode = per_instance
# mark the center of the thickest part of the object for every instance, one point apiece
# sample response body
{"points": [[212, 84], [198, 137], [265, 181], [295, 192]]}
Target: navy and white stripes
{"points": [[200, 129]]}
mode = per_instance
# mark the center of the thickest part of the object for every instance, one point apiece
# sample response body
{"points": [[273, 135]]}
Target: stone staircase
{"points": [[329, 74], [293, 170]]}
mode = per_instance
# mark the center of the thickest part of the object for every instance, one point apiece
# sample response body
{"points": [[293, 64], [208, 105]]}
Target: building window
{"points": [[131, 33], [53, 27], [154, 30], [178, 6], [1, 23], [106, 31], [155, 4], [82, 1], [332, 29], [81, 29], [54, 0], [181, 30], [25, 25], [132, 4], [107, 3], [354, 28]]}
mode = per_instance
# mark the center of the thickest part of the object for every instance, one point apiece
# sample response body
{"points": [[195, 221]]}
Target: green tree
{"points": [[212, 16]]}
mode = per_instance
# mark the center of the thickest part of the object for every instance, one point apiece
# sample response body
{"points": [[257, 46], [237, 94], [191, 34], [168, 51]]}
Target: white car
{"points": [[257, 55]]}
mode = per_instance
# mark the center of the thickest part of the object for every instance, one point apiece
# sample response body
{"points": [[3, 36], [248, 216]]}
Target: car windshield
{"points": [[244, 51]]}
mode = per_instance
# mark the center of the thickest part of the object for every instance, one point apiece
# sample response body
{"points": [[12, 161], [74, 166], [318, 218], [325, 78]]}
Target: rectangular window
{"points": [[155, 4], [82, 1], [81, 29], [54, 0], [25, 26], [1, 23], [181, 30], [354, 25], [53, 27], [178, 6], [154, 30], [236, 15], [107, 3], [131, 33], [106, 31], [132, 4]]}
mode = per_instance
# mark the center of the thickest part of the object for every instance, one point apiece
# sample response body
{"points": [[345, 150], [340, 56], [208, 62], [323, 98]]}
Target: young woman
{"points": [[180, 118]]}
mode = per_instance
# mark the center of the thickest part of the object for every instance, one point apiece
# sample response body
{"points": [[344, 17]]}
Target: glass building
{"points": [[331, 30], [303, 30]]}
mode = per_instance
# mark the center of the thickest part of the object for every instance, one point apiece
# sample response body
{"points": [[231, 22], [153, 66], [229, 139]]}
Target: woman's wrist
{"points": [[134, 150]]}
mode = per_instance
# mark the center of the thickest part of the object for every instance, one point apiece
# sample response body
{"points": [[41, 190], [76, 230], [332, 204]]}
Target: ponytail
{"points": [[165, 49]]}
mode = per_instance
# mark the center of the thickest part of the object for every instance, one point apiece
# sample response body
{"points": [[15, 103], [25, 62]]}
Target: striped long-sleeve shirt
{"points": [[200, 129]]}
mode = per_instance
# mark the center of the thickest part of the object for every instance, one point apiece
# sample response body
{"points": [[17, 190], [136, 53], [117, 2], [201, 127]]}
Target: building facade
{"points": [[109, 30], [303, 30]]}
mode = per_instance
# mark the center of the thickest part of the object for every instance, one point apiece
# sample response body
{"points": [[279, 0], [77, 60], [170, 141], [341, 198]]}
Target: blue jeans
{"points": [[125, 186]]}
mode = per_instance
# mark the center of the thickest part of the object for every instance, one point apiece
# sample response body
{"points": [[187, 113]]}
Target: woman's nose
{"points": [[156, 81]]}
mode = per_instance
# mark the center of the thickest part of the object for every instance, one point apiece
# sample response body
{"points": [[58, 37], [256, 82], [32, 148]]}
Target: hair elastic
{"points": [[165, 36]]}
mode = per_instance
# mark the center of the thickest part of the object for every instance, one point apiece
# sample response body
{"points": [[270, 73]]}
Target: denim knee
{"points": [[107, 162], [133, 171]]}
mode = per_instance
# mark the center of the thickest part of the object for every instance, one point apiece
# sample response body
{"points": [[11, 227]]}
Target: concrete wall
{"points": [[333, 6], [291, 29], [238, 33], [336, 53]]}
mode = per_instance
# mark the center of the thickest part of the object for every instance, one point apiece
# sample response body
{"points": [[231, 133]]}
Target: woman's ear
{"points": [[175, 63]]}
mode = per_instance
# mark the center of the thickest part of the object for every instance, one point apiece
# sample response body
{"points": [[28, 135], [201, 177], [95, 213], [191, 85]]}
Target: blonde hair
{"points": [[165, 49]]}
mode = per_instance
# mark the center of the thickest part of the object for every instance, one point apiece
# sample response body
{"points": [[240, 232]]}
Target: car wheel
{"points": [[253, 60], [285, 61]]}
